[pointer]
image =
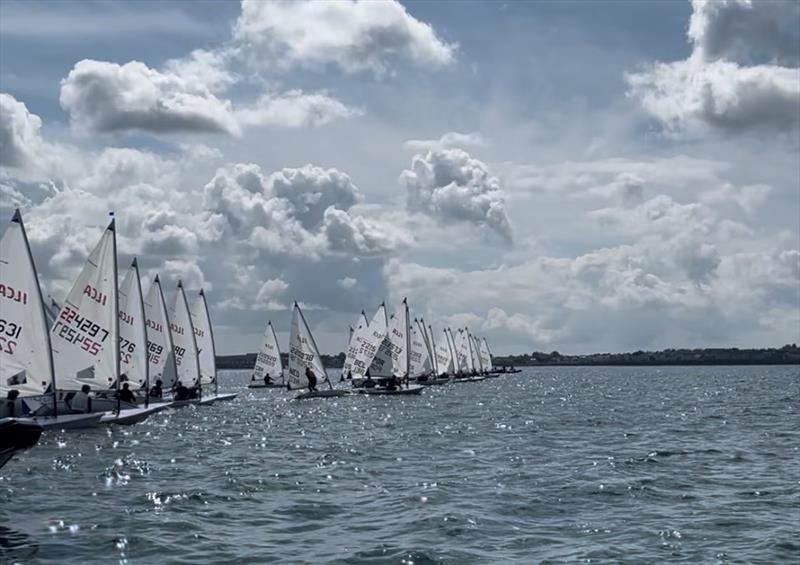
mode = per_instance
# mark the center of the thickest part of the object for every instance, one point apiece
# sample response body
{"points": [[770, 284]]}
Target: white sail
{"points": [[268, 361], [132, 330], [392, 356], [419, 359], [204, 338], [370, 342], [444, 360], [303, 353], [357, 335], [461, 345], [474, 352], [25, 361], [160, 351], [486, 355], [183, 340], [85, 335]]}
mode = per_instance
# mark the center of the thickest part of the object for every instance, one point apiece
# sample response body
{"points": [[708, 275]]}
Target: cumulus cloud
{"points": [[354, 36], [304, 211], [107, 97], [742, 73], [452, 186]]}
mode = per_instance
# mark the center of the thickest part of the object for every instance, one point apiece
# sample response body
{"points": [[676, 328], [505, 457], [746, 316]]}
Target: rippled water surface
{"points": [[552, 464]]}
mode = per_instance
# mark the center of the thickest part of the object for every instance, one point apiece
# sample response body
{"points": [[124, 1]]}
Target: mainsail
{"points": [[475, 354], [419, 359], [357, 336], [369, 344], [461, 342], [303, 353], [444, 360], [269, 360], [486, 355], [392, 356], [183, 340], [160, 351], [204, 338], [85, 335], [132, 330], [26, 364]]}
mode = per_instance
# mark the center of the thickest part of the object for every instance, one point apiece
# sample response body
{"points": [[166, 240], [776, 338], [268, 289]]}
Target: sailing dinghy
{"points": [[206, 349], [185, 348], [303, 354], [268, 362], [160, 350], [26, 361], [392, 360]]}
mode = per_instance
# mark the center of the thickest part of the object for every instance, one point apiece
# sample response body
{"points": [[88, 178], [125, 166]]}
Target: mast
{"points": [[451, 345], [18, 218], [277, 347], [112, 227], [433, 346], [135, 266], [213, 344], [408, 340]]}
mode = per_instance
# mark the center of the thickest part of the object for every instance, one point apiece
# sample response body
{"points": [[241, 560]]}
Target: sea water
{"points": [[561, 464]]}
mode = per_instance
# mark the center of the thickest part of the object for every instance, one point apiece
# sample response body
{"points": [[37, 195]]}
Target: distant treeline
{"points": [[786, 355], [248, 361]]}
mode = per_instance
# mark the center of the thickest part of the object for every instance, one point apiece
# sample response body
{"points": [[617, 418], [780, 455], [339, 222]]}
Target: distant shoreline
{"points": [[786, 355]]}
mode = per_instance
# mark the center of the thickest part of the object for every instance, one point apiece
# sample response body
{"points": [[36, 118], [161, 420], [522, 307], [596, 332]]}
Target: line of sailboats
{"points": [[392, 355], [108, 355]]}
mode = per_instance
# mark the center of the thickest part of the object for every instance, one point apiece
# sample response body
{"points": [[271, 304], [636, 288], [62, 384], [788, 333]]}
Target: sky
{"points": [[572, 176]]}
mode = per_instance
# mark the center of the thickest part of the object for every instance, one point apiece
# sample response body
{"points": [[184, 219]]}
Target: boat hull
{"points": [[67, 421], [132, 416], [378, 391], [262, 385], [16, 436], [335, 393]]}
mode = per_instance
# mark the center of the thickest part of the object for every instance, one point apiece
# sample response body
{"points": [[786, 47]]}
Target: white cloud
{"points": [[741, 75], [450, 185], [354, 36], [347, 283], [108, 97], [447, 141], [294, 109]]}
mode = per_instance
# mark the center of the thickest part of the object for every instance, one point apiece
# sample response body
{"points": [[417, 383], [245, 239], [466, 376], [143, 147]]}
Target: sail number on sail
{"points": [[83, 331], [9, 330]]}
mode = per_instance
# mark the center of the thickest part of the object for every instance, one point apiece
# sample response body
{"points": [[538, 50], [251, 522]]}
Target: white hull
{"points": [[67, 421], [224, 397], [380, 391], [131, 416]]}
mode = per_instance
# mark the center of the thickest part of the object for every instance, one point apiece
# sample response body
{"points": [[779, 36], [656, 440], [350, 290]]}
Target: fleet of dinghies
{"points": [[387, 355], [108, 355]]}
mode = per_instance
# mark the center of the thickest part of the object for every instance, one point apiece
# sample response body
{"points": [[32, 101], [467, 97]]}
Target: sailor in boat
{"points": [[267, 380], [156, 391], [126, 394], [393, 383], [312, 380], [9, 408], [369, 383], [82, 402], [181, 392]]}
